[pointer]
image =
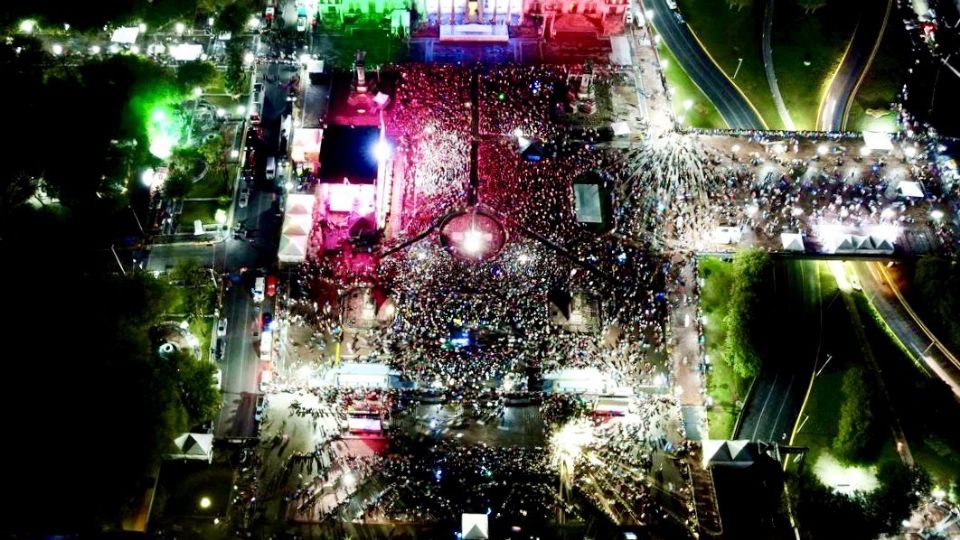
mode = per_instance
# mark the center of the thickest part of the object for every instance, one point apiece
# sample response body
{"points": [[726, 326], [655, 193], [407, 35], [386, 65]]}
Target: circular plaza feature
{"points": [[473, 235]]}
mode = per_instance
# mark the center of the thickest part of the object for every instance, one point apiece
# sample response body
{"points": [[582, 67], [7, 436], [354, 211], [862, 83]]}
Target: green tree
{"points": [[198, 289], [234, 17], [740, 4], [938, 282], [746, 314], [900, 492], [196, 388], [234, 77], [198, 73], [856, 431]]}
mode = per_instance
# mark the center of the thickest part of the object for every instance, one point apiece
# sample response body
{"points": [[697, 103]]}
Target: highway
{"points": [[768, 67], [881, 289], [728, 100], [778, 391], [835, 104]]}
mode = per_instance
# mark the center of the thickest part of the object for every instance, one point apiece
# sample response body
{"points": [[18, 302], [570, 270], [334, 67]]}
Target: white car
{"points": [[218, 379], [222, 327], [301, 24], [244, 198]]}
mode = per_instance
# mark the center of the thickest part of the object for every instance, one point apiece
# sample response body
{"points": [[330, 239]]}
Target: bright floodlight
{"points": [[688, 104], [844, 479], [839, 272], [179, 28], [248, 58], [234, 153], [205, 502], [473, 242], [381, 150], [349, 479], [221, 112], [94, 49], [241, 109], [253, 23], [197, 91], [147, 177], [220, 216], [57, 49], [936, 214], [27, 26], [142, 27], [664, 63], [66, 27], [822, 149]]}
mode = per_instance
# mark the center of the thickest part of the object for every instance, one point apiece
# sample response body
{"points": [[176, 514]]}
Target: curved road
{"points": [[768, 67], [835, 105], [728, 100]]}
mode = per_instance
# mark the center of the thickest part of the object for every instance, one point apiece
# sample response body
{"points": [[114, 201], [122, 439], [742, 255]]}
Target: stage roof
{"points": [[348, 152], [587, 199]]}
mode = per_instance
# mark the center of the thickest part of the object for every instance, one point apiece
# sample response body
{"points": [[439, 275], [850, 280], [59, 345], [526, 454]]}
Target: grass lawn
{"points": [[202, 210], [728, 35], [819, 38], [870, 110], [213, 185], [702, 113], [725, 387]]}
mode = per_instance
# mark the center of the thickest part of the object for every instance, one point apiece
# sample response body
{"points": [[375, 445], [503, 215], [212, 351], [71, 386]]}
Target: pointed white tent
{"points": [[292, 248], [474, 526], [792, 242], [297, 225], [194, 446]]}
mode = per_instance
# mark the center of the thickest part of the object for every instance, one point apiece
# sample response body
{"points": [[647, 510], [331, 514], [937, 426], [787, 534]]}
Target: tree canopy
{"points": [[745, 312]]}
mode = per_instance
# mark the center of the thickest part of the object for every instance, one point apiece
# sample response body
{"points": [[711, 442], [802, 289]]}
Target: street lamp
{"points": [[142, 27], [94, 49], [205, 502], [57, 49], [248, 58], [739, 63], [197, 91], [179, 28], [27, 26]]}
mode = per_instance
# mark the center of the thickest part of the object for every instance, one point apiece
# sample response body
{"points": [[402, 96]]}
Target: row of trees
{"points": [[94, 404], [938, 281], [94, 15], [823, 513], [747, 312], [857, 428]]}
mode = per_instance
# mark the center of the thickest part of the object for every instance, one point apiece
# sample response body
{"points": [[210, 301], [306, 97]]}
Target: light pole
{"points": [[739, 63]]}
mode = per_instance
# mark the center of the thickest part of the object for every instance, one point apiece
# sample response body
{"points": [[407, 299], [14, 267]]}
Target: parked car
{"points": [[265, 320], [271, 285], [222, 327], [244, 197]]}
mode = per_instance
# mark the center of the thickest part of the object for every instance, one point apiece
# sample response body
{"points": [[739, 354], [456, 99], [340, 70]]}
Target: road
{"points": [[262, 218], [835, 104], [728, 100], [768, 67], [880, 289], [779, 389]]}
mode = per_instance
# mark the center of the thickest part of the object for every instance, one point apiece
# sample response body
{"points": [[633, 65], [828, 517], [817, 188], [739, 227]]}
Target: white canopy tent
{"points": [[877, 140], [474, 527], [575, 380], [297, 225], [125, 34], [910, 189], [194, 446], [186, 52], [292, 248], [300, 203], [729, 453], [620, 129], [792, 242]]}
